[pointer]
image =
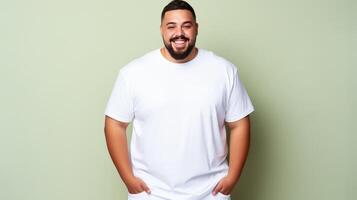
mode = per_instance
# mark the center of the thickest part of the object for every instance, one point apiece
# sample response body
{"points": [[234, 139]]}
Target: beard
{"points": [[179, 55]]}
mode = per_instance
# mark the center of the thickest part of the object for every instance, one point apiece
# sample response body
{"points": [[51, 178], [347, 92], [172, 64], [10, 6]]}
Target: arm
{"points": [[238, 146], [115, 135], [238, 152]]}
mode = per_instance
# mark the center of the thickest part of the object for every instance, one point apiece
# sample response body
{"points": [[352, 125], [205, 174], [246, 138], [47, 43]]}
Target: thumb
{"points": [[217, 188], [146, 188]]}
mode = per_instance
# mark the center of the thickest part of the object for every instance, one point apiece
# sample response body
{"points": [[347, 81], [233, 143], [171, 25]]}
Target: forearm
{"points": [[118, 149], [238, 148]]}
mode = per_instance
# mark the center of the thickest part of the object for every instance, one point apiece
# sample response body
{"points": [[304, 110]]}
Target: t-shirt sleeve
{"points": [[239, 104], [120, 104]]}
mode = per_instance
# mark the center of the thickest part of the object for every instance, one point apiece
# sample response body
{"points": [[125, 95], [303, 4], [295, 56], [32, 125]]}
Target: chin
{"points": [[181, 52]]}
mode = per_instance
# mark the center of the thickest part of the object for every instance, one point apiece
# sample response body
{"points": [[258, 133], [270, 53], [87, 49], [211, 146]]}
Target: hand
{"points": [[136, 185], [224, 186]]}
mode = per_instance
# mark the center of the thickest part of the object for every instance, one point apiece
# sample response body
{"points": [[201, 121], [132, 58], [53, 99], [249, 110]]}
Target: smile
{"points": [[179, 43]]}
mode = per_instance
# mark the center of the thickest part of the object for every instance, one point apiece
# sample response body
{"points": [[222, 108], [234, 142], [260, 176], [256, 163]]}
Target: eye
{"points": [[187, 26]]}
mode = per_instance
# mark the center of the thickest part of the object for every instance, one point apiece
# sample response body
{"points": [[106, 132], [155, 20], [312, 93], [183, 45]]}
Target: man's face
{"points": [[179, 30]]}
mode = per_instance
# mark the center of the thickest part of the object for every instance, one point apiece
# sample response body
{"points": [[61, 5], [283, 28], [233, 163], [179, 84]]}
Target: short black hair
{"points": [[178, 5]]}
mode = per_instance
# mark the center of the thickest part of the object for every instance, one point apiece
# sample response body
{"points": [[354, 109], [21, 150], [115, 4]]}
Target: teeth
{"points": [[179, 41]]}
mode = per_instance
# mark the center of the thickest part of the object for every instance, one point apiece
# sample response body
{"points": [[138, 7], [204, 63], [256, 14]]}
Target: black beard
{"points": [[179, 56]]}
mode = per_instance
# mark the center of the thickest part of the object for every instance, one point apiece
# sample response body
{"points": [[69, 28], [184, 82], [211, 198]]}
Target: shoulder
{"points": [[218, 61], [139, 64]]}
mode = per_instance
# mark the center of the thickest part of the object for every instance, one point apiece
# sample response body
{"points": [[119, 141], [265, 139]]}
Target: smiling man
{"points": [[179, 30], [179, 98]]}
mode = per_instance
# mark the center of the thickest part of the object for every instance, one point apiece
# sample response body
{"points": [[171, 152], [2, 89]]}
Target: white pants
{"points": [[152, 196]]}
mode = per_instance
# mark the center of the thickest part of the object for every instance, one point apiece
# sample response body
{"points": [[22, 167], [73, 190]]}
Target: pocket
{"points": [[223, 196], [137, 195]]}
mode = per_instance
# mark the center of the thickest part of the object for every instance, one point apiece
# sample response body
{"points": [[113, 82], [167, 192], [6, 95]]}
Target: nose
{"points": [[179, 31]]}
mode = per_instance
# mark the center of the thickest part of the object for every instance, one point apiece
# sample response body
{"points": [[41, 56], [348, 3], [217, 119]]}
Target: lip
{"points": [[179, 43]]}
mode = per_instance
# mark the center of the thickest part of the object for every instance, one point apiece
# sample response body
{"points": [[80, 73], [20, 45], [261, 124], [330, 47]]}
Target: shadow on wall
{"points": [[255, 175]]}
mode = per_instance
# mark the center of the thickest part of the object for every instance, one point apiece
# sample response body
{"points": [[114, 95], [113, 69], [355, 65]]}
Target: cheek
{"points": [[194, 33], [191, 33], [168, 36], [166, 39]]}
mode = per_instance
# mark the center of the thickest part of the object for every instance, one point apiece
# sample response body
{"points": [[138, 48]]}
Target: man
{"points": [[179, 99]]}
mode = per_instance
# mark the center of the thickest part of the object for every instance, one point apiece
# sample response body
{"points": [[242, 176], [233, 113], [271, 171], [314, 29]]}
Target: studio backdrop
{"points": [[59, 61]]}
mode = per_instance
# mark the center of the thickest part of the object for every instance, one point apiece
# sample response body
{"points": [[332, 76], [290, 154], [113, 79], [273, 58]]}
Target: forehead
{"points": [[178, 16]]}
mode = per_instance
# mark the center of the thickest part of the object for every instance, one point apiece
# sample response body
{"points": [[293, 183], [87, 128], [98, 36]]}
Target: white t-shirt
{"points": [[178, 145]]}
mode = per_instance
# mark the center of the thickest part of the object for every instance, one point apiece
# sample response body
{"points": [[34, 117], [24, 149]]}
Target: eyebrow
{"points": [[174, 23]]}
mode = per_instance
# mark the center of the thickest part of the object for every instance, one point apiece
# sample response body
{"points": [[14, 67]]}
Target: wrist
{"points": [[129, 179], [233, 176]]}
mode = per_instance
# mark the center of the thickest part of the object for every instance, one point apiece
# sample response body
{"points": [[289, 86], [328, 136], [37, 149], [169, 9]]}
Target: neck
{"points": [[167, 55]]}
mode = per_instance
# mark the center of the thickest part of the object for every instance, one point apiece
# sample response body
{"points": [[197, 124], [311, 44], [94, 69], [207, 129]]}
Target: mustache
{"points": [[178, 37]]}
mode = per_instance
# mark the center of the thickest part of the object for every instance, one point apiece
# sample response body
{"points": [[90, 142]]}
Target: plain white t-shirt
{"points": [[178, 145]]}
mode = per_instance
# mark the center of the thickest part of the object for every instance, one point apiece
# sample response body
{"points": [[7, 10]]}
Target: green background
{"points": [[59, 60]]}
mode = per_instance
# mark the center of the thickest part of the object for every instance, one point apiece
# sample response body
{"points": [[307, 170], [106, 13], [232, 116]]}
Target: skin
{"points": [[238, 152], [115, 134], [176, 23]]}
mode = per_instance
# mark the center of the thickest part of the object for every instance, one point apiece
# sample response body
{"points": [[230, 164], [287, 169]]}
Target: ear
{"points": [[161, 28], [197, 28]]}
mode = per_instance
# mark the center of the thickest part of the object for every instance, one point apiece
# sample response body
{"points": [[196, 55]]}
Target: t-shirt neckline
{"points": [[179, 65]]}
